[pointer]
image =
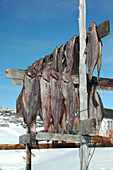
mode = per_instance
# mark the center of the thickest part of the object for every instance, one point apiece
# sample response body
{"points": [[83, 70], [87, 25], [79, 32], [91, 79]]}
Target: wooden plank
{"points": [[82, 62], [83, 127], [83, 80], [95, 141], [17, 82], [42, 136], [15, 73], [28, 157], [108, 113], [105, 88], [103, 29], [105, 82]]}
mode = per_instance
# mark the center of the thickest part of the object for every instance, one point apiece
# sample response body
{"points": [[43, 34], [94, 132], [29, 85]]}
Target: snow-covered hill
{"points": [[47, 159]]}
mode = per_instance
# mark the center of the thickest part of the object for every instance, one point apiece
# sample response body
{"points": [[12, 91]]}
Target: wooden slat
{"points": [[17, 82], [105, 88], [108, 113], [15, 73], [42, 136], [105, 143], [103, 29]]}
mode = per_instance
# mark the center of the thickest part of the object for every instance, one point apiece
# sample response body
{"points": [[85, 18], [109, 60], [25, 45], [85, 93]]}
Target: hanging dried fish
{"points": [[56, 98], [38, 65], [70, 54], [55, 59], [95, 106], [68, 92], [75, 69], [61, 58], [92, 49], [28, 102], [47, 61], [20, 110], [46, 98], [99, 59]]}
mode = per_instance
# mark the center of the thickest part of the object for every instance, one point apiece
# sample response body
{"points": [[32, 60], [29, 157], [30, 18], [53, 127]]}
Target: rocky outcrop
{"points": [[8, 116]]}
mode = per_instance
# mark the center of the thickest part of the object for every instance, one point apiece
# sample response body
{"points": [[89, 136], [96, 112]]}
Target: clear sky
{"points": [[30, 29]]}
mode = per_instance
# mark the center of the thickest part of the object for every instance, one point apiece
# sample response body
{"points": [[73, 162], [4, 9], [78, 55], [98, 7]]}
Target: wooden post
{"points": [[83, 80], [28, 152]]}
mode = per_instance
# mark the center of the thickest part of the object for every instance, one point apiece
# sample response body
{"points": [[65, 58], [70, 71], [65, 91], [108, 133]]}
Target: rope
{"points": [[81, 111]]}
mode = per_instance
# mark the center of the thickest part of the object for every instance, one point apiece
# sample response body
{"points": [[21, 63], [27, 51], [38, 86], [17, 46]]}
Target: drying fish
{"points": [[75, 69], [38, 65], [92, 49], [47, 61], [99, 59], [20, 110], [63, 118], [68, 92], [70, 53], [56, 98], [45, 98], [95, 106], [61, 58], [28, 102], [55, 59]]}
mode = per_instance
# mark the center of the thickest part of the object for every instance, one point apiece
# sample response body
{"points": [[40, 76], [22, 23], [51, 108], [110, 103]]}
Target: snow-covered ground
{"points": [[46, 159]]}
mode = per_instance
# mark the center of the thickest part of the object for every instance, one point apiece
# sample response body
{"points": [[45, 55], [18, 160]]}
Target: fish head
{"points": [[92, 27], [31, 71]]}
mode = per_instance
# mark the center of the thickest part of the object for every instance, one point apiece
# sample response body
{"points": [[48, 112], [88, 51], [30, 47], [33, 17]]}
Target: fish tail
{"points": [[99, 60]]}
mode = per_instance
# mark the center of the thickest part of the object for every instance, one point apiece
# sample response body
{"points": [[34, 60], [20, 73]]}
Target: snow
{"points": [[48, 159]]}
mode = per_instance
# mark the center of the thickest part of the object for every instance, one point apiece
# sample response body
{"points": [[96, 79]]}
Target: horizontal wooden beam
{"points": [[50, 146], [104, 142], [76, 139], [42, 136], [15, 74], [18, 75], [108, 113]]}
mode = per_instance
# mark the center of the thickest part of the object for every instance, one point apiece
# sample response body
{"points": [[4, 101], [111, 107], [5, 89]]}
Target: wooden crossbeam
{"points": [[56, 145], [18, 75], [42, 136]]}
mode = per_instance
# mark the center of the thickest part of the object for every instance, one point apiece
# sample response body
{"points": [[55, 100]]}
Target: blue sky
{"points": [[30, 29]]}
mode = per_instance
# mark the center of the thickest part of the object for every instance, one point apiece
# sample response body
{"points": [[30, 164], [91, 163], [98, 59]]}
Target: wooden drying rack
{"points": [[85, 127]]}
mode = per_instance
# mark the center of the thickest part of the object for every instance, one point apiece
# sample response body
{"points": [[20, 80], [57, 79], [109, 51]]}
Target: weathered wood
{"points": [[15, 73], [28, 157], [103, 29], [83, 80], [17, 76], [83, 127], [94, 141], [104, 88], [42, 136], [17, 82], [108, 114], [82, 62]]}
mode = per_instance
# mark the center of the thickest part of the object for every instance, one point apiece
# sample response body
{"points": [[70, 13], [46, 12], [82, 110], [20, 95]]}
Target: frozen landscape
{"points": [[46, 159]]}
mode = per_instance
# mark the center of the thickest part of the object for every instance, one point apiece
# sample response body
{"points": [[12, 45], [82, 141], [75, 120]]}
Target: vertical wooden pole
{"points": [[28, 153], [83, 80]]}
